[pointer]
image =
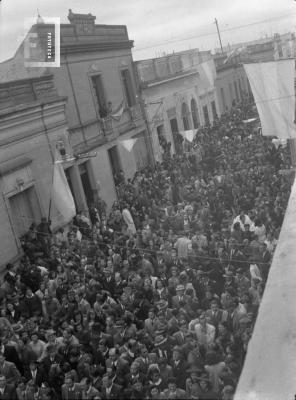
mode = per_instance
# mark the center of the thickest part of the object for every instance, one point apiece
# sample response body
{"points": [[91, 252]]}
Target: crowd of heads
{"points": [[156, 297]]}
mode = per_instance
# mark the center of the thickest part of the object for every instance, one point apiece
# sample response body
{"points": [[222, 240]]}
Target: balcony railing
{"points": [[96, 132]]}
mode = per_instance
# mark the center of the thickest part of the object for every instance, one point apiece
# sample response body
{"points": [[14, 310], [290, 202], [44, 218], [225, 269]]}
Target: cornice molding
{"points": [[87, 47]]}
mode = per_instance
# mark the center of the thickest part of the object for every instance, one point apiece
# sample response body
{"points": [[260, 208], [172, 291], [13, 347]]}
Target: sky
{"points": [[158, 26]]}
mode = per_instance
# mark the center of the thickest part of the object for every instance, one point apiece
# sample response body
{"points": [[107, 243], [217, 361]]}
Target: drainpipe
{"points": [[75, 98]]}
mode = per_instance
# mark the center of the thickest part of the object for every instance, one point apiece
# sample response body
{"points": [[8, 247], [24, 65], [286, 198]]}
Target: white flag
{"points": [[117, 114], [128, 144], [189, 135], [272, 84], [61, 194]]}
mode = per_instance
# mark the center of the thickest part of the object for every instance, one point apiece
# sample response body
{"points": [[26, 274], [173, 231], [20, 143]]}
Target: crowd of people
{"points": [[158, 299]]}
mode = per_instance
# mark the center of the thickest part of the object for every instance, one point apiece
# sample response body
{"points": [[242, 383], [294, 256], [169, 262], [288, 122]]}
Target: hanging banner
{"points": [[189, 135], [128, 144], [272, 84], [61, 194], [117, 114]]}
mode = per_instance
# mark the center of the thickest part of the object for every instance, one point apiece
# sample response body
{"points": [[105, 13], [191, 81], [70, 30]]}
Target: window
{"points": [[214, 110], [69, 180], [25, 210], [194, 113], [100, 95], [114, 160], [185, 113], [176, 135], [223, 98], [206, 115], [140, 152], [128, 87], [86, 183]]}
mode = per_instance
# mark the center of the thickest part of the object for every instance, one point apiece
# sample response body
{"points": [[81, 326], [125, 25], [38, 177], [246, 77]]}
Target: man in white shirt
{"points": [[205, 332], [183, 245]]}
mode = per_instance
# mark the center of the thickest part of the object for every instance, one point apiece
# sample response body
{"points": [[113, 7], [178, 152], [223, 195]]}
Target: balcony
{"points": [[97, 132], [87, 137]]}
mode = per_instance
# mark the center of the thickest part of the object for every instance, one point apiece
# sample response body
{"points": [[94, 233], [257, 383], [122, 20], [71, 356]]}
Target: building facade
{"points": [[32, 120], [231, 82], [97, 77], [177, 95]]}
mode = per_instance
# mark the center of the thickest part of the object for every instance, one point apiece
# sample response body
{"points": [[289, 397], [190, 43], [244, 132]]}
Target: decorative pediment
{"points": [[84, 23]]}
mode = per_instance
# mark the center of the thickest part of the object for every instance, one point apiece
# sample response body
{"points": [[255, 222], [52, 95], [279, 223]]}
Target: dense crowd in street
{"points": [[158, 298]]}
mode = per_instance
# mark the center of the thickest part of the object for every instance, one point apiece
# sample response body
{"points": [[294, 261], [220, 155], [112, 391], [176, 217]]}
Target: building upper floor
{"points": [[96, 74], [169, 67]]}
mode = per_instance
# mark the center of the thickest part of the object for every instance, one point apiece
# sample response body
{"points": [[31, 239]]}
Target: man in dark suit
{"points": [[108, 281], [9, 370], [119, 364], [110, 390], [70, 389], [135, 375], [7, 392], [35, 373], [180, 336], [52, 358], [10, 353], [214, 314], [162, 347], [181, 299], [179, 368]]}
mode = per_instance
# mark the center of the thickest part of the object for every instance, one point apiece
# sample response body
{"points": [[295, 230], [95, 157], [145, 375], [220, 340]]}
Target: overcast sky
{"points": [[158, 25]]}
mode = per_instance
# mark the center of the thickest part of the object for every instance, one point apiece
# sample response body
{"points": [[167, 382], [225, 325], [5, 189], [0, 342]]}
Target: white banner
{"points": [[117, 114], [61, 193], [272, 84], [128, 144], [189, 135]]}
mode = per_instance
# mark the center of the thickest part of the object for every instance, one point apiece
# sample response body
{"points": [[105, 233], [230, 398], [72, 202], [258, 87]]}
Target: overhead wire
{"points": [[176, 40]]}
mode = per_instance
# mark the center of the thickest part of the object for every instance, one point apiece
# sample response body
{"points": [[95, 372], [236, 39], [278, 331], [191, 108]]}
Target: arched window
{"points": [[194, 113], [185, 116]]}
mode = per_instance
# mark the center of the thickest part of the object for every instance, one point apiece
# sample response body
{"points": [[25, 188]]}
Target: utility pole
{"points": [[217, 26]]}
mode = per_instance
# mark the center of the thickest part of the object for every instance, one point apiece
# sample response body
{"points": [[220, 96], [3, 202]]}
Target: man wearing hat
{"points": [[181, 299], [162, 305], [162, 347]]}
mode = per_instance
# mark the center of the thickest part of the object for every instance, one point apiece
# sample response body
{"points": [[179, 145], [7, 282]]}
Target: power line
{"points": [[211, 33]]}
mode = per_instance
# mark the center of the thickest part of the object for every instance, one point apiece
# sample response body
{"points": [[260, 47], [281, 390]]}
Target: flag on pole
{"points": [[128, 144], [61, 194], [189, 135], [272, 84]]}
